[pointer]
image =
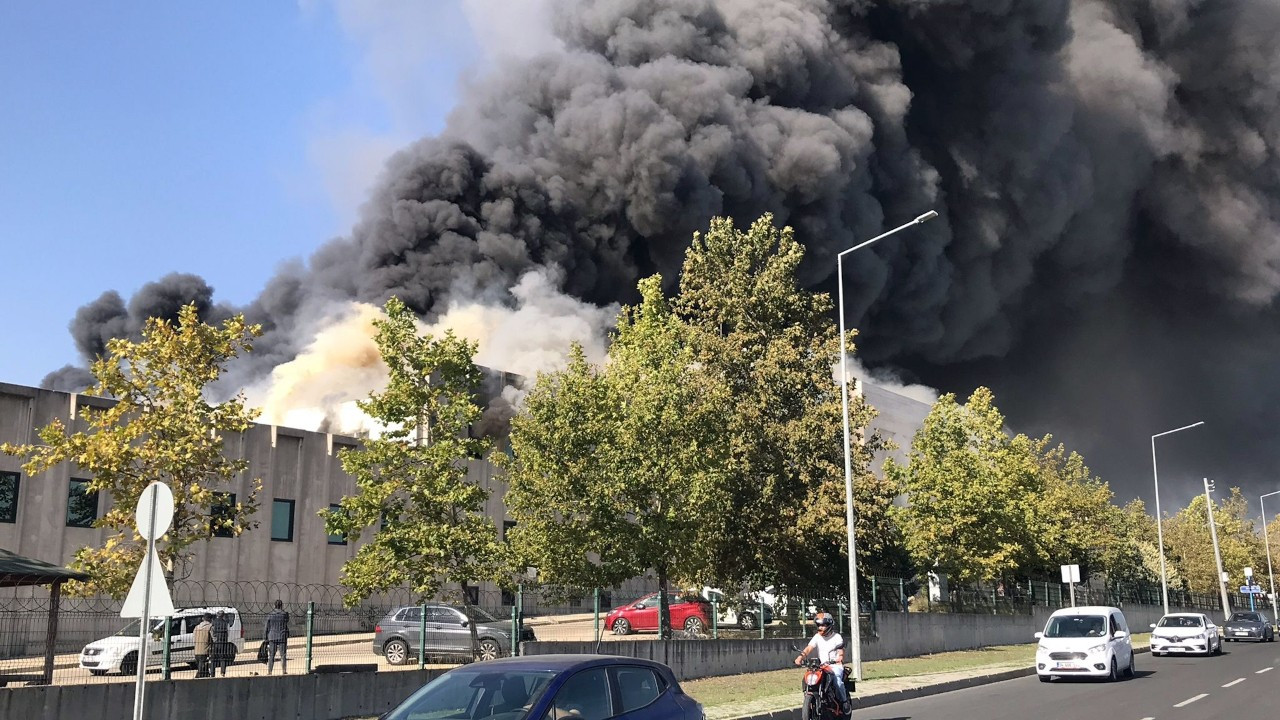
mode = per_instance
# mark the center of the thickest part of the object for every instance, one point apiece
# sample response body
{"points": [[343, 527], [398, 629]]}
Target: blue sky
{"points": [[215, 138]]}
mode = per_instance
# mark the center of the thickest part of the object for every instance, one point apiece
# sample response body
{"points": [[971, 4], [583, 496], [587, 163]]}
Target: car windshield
{"points": [[1076, 626], [1246, 617], [471, 694], [1174, 621], [131, 630], [481, 615]]}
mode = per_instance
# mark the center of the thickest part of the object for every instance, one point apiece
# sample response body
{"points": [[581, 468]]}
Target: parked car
{"points": [[688, 612], [558, 687], [745, 611], [1088, 641], [397, 636], [119, 653], [1252, 626], [1180, 633]]}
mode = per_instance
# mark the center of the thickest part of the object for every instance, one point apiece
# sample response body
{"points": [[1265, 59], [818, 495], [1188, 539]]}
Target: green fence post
{"points": [[168, 629], [840, 609], [311, 626], [520, 606], [596, 614], [875, 600], [422, 636], [760, 616], [902, 595], [715, 618], [515, 630]]}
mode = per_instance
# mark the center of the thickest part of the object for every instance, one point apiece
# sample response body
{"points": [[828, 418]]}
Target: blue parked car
{"points": [[552, 687]]}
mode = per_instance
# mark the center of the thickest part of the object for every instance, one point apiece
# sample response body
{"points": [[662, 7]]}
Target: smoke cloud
{"points": [[1106, 173]]}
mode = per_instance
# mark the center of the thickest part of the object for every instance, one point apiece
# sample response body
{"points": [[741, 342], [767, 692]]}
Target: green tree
{"points": [[611, 469], [161, 427], [428, 521], [778, 511], [1190, 545], [972, 491]]}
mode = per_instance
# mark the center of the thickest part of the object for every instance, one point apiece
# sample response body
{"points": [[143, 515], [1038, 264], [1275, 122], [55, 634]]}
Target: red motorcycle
{"points": [[819, 687]]}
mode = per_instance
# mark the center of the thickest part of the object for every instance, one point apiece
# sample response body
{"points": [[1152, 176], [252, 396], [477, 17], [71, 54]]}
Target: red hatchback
{"points": [[690, 613]]}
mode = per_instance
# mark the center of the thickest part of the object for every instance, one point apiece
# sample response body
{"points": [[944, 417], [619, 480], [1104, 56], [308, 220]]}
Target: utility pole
{"points": [[1217, 556]]}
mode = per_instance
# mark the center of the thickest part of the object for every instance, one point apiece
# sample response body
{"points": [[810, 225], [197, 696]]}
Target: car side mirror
{"points": [[1120, 635], [1039, 635], [465, 623], [1153, 626], [638, 606]]}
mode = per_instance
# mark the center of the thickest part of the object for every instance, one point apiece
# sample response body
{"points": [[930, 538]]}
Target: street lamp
{"points": [[1164, 578], [1267, 541], [854, 609]]}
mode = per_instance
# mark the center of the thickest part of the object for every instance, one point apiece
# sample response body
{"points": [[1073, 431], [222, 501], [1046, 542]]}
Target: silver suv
{"points": [[397, 636]]}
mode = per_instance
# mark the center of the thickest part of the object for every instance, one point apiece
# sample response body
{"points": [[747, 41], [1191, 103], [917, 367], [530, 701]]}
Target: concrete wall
{"points": [[304, 697]]}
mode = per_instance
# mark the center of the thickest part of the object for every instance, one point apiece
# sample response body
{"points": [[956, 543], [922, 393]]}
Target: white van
{"points": [[119, 653], [1090, 641]]}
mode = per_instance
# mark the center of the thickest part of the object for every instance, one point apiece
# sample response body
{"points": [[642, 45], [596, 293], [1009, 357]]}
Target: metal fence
{"points": [[92, 643]]}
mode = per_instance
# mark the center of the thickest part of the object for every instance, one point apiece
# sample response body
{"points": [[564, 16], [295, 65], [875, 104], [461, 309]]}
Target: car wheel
{"points": [[1115, 671], [694, 625], [1132, 670], [396, 652], [1217, 649], [622, 626], [490, 649], [98, 672], [129, 665], [1045, 678], [747, 621]]}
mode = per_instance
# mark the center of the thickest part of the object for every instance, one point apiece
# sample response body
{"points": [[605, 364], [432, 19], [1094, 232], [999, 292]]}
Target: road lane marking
{"points": [[1188, 701], [1265, 669], [1237, 681]]}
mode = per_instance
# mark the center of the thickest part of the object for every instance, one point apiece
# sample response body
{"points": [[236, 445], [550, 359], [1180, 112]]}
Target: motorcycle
{"points": [[820, 699]]}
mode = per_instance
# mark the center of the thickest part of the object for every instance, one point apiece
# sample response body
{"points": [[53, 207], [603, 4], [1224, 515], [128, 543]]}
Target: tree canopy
{"points": [[161, 426]]}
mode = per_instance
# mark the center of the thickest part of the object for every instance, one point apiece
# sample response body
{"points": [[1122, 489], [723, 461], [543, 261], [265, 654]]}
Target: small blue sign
{"points": [[1251, 590]]}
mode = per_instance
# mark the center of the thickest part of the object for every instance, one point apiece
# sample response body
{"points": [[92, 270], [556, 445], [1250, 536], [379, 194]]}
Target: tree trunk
{"points": [[664, 606], [471, 622]]}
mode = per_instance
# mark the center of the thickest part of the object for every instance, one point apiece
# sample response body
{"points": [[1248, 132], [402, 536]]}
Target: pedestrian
{"points": [[278, 638], [220, 651], [203, 635]]}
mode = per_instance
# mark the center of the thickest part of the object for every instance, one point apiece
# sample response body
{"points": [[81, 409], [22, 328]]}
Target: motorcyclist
{"points": [[830, 649]]}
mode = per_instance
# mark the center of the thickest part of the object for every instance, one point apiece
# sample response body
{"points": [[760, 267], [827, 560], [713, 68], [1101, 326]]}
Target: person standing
{"points": [[220, 651], [203, 635], [278, 638]]}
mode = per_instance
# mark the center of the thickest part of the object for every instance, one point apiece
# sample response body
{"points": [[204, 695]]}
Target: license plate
{"points": [[1065, 666], [1241, 632]]}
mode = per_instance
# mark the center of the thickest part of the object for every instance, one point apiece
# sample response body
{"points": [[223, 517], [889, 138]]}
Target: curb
{"points": [[893, 696]]}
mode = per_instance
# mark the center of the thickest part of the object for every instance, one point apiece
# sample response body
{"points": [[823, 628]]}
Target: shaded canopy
{"points": [[16, 571]]}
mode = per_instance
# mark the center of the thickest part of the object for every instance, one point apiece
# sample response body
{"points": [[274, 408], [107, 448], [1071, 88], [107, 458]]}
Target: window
{"points": [[282, 520], [637, 687], [584, 696], [82, 504], [8, 497], [336, 538], [222, 515]]}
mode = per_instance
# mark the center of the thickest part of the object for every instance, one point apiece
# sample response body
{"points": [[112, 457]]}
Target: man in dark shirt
{"points": [[278, 638], [220, 648]]}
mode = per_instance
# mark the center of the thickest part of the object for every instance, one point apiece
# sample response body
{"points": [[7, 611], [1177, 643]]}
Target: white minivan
{"points": [[119, 653], [1085, 642]]}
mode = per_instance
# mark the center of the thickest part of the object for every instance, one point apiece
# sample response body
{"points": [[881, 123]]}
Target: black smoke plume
{"points": [[1106, 172]]}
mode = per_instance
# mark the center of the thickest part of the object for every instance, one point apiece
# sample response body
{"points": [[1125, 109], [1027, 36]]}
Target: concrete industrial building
{"points": [[48, 517]]}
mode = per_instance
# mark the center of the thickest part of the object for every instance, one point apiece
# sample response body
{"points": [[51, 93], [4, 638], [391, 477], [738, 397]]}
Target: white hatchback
{"points": [[1085, 642], [1182, 633], [119, 653]]}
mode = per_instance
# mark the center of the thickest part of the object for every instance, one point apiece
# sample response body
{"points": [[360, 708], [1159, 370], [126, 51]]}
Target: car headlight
{"points": [[90, 652], [1096, 649]]}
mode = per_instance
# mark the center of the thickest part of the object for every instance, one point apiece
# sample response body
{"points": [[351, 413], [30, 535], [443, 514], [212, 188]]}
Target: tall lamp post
{"points": [[1164, 577], [854, 608], [1266, 539]]}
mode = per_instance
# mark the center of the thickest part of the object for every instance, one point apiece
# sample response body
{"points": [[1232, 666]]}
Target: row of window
{"points": [[82, 509]]}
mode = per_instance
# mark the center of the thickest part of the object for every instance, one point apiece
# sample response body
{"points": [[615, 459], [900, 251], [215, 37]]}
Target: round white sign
{"points": [[159, 494]]}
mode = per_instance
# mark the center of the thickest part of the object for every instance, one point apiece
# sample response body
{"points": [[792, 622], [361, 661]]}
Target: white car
{"points": [[746, 617], [1089, 641], [1182, 633], [119, 653]]}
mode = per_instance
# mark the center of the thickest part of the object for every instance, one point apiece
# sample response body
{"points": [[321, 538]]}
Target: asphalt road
{"points": [[1241, 684]]}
